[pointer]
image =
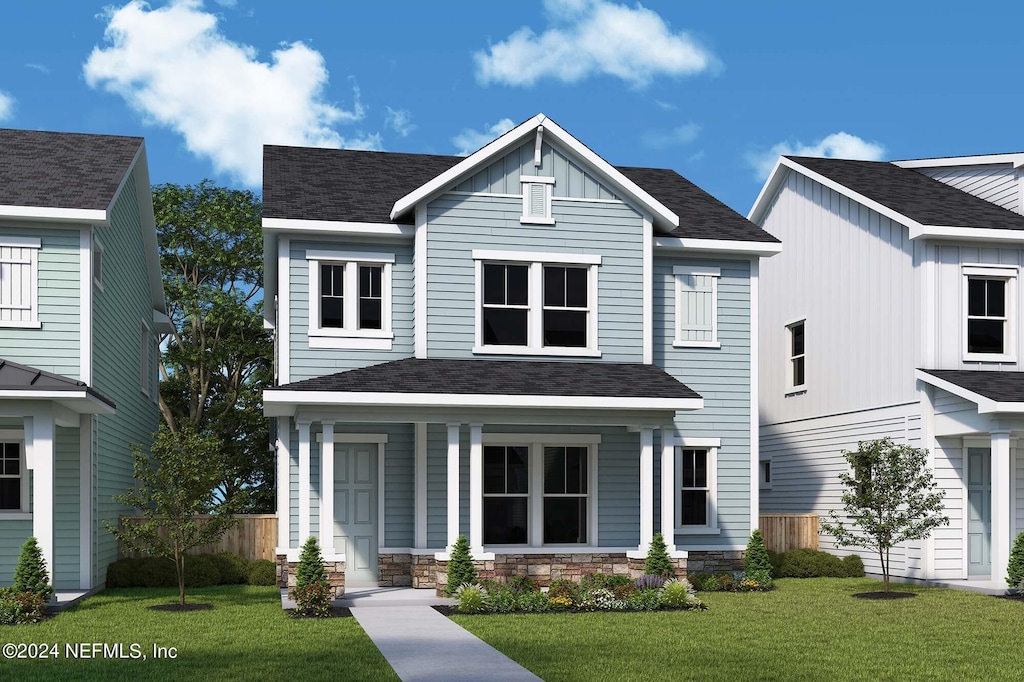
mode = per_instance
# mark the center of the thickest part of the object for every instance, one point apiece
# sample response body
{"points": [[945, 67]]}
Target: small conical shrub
{"points": [[1015, 568], [756, 557], [311, 565], [658, 561], [461, 570], [30, 574]]}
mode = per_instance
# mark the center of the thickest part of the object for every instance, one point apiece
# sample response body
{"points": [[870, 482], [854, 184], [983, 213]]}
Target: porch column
{"points": [[39, 456], [668, 486], [85, 501], [1002, 482], [646, 487], [303, 481], [327, 489], [453, 485], [421, 486], [476, 478], [284, 484]]}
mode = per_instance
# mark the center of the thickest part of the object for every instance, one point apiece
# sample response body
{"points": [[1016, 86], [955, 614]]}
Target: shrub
{"points": [[471, 598], [756, 557], [522, 583], [501, 598], [122, 573], [563, 587], [233, 568], [811, 563], [775, 558], [678, 594], [658, 561], [854, 566], [30, 574], [757, 580], [311, 564], [645, 600], [201, 571], [461, 570], [312, 594], [705, 582], [262, 572], [650, 582], [595, 599], [31, 606], [1015, 567], [10, 608], [533, 601], [725, 582]]}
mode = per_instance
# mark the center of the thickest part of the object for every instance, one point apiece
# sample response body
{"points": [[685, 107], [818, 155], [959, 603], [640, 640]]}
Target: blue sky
{"points": [[713, 90]]}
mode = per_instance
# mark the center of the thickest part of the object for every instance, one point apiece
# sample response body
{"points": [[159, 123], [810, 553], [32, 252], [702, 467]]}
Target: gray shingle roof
{"points": [[1003, 387], [503, 377], [62, 170], [17, 377], [307, 183], [914, 194]]}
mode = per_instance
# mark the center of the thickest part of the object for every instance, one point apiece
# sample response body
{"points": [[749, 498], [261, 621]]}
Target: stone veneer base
{"points": [[335, 575]]}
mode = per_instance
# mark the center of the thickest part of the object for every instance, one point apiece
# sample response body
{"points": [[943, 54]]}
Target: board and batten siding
{"points": [[849, 272], [997, 183], [306, 362], [54, 346], [722, 377], [120, 309], [457, 224]]}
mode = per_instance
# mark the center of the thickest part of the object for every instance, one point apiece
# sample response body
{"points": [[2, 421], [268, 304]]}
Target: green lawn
{"points": [[804, 630], [246, 636]]}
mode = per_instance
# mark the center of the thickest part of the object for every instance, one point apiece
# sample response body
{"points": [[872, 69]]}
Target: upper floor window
{"points": [[795, 380], [696, 306], [988, 327], [19, 280], [544, 307], [349, 299], [537, 199]]}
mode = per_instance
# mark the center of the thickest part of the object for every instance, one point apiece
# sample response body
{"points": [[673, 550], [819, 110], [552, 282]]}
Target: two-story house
{"points": [[528, 346], [81, 304], [894, 311]]}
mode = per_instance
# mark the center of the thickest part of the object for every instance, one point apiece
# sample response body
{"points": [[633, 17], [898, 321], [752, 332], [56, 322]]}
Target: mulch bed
{"points": [[884, 595], [446, 610], [181, 607], [336, 612]]}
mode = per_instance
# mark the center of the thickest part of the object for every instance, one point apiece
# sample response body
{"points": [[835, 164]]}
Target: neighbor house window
{"points": [[543, 307], [145, 353], [537, 200], [13, 477], [796, 380], [696, 306], [766, 474], [97, 262], [506, 494], [349, 299], [19, 279], [696, 484], [565, 495], [988, 328]]}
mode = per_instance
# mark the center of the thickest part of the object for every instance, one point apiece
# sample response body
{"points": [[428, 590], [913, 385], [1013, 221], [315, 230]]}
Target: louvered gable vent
{"points": [[537, 199]]}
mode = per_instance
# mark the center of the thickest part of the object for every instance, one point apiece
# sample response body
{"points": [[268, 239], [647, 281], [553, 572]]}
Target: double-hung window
{"points": [[19, 281], [990, 295], [536, 303], [696, 306], [13, 475], [696, 484], [349, 299], [565, 495], [506, 494], [795, 379]]}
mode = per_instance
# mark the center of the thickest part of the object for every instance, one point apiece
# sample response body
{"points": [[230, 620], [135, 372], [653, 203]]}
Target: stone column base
{"points": [[394, 570], [335, 575]]}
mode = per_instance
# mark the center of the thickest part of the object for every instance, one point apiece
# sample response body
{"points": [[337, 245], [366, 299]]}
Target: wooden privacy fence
{"points": [[783, 532], [255, 537]]}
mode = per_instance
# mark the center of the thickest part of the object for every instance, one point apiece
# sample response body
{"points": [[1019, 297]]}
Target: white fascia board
{"points": [[1015, 160], [269, 278], [984, 404], [768, 191], [144, 200], [162, 324], [384, 399], [339, 227], [89, 216], [747, 248], [80, 402], [969, 233]]}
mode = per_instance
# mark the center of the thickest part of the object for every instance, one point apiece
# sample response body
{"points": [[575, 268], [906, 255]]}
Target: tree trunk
{"points": [[179, 563], [882, 555]]}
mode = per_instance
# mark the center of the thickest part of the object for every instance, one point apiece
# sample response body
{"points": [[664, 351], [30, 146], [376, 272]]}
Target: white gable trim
{"points": [[748, 248], [450, 177], [1016, 160], [71, 215], [338, 227]]}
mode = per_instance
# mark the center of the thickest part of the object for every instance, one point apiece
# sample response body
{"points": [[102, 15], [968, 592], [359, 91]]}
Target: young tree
{"points": [[216, 364], [890, 498], [30, 575], [461, 570], [658, 561], [177, 480]]}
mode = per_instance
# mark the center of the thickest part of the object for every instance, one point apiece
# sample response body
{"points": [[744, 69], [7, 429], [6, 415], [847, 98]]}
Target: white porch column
{"points": [[646, 487], [668, 486], [304, 529], [85, 501], [327, 489], [476, 482], [1002, 482], [284, 484], [39, 456], [420, 492], [453, 485]]}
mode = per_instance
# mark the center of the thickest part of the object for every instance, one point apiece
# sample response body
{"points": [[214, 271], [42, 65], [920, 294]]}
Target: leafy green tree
{"points": [[216, 364], [30, 575], [658, 561], [1015, 567], [461, 570], [890, 498], [177, 482]]}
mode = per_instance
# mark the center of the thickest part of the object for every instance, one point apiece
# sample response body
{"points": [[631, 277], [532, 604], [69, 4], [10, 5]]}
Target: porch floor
{"points": [[65, 599], [983, 585]]}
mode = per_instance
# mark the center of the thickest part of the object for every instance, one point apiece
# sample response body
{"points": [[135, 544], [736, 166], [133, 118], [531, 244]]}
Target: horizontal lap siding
{"points": [[66, 494], [997, 184], [12, 536], [55, 346], [309, 362], [951, 477]]}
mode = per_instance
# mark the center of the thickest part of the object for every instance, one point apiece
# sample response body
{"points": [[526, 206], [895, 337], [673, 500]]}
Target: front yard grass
{"points": [[808, 629], [246, 636]]}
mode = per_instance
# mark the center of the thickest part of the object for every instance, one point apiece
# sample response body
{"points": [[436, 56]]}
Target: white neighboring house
{"points": [[895, 311]]}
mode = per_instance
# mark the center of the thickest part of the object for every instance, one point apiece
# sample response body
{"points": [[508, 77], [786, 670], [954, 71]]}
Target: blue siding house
{"points": [[81, 304], [551, 355]]}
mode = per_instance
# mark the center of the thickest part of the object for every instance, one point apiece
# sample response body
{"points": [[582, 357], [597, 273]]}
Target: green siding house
{"points": [[551, 355], [81, 306]]}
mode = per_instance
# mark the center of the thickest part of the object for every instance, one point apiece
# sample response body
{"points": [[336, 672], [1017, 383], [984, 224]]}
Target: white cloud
{"points": [[41, 68], [6, 106], [177, 70], [680, 135], [665, 106], [839, 145], [469, 140], [227, 3], [593, 37], [399, 120]]}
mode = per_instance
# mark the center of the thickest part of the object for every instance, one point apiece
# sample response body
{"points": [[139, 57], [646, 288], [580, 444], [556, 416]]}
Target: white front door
{"points": [[355, 511]]}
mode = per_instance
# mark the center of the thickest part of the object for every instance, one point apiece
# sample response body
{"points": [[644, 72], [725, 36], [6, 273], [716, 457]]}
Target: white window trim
{"points": [[536, 442], [678, 272], [98, 252], [34, 244], [762, 484], [711, 445], [25, 513], [349, 337], [547, 183], [1007, 273], [791, 388], [535, 318]]}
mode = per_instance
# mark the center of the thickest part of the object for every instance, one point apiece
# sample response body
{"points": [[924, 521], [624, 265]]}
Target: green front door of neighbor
{"points": [[979, 511], [355, 510]]}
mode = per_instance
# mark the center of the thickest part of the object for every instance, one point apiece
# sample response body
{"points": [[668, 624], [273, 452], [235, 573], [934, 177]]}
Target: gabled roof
{"points": [[992, 391], [18, 378], [63, 170]]}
